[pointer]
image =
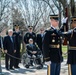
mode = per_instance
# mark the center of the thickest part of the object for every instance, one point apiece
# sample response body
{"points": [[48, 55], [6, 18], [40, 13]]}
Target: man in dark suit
{"points": [[1, 42], [9, 48], [40, 38], [29, 34], [18, 40], [71, 37], [52, 47]]}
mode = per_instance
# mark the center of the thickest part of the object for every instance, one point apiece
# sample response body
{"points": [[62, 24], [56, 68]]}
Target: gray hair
{"points": [[10, 30], [30, 39]]}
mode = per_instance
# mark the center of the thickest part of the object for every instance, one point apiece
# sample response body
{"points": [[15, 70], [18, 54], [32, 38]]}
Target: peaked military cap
{"points": [[16, 26], [56, 17], [73, 22], [30, 26], [73, 19]]}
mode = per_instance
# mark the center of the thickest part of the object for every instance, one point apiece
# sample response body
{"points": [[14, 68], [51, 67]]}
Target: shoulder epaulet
{"points": [[46, 31], [27, 44], [48, 28], [26, 33]]}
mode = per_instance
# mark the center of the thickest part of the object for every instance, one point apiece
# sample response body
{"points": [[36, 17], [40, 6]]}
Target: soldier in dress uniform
{"points": [[18, 39], [71, 37], [52, 47], [29, 34]]}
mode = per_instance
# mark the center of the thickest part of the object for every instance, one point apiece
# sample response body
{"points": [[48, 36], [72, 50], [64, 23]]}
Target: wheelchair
{"points": [[26, 59]]}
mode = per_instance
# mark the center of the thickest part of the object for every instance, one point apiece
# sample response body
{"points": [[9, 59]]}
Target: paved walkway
{"points": [[33, 71]]}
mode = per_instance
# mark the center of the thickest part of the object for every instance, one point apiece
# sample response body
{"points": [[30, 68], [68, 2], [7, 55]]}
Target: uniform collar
{"points": [[30, 32], [53, 27]]}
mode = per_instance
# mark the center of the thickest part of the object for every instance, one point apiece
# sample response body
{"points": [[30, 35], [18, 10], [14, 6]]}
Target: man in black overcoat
{"points": [[9, 48]]}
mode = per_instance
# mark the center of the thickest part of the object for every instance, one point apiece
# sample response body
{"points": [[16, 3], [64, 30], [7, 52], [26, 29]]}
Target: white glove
{"points": [[64, 20], [48, 62]]}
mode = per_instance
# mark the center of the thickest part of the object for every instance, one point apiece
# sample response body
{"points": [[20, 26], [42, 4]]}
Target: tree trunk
{"points": [[73, 8]]}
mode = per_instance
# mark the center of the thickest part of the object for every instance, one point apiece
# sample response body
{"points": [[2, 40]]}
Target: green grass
{"points": [[2, 58], [64, 50]]}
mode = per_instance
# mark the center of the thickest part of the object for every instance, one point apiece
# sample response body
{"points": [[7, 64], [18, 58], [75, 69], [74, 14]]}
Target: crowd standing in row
{"points": [[12, 45]]}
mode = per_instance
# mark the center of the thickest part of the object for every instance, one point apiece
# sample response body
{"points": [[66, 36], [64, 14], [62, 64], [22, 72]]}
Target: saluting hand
{"points": [[14, 51], [5, 51]]}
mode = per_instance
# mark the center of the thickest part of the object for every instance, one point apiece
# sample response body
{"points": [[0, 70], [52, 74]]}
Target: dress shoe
{"points": [[17, 67], [31, 64], [11, 68], [39, 67], [7, 69], [27, 66]]}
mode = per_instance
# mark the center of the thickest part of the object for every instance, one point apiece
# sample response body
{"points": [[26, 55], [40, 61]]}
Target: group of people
{"points": [[52, 46], [49, 42], [34, 44], [12, 45]]}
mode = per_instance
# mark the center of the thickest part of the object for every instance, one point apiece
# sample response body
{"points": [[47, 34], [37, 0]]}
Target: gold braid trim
{"points": [[72, 35], [69, 69], [49, 70], [46, 58]]}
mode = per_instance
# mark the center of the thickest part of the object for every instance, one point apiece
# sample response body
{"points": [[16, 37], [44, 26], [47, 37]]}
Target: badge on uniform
{"points": [[53, 34], [28, 35], [53, 40], [33, 35]]}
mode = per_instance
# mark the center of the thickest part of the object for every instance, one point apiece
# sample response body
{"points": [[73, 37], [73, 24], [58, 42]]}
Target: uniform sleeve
{"points": [[46, 47], [25, 38], [14, 42], [64, 27], [68, 35], [1, 42], [37, 40], [28, 48], [20, 36], [61, 29]]}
